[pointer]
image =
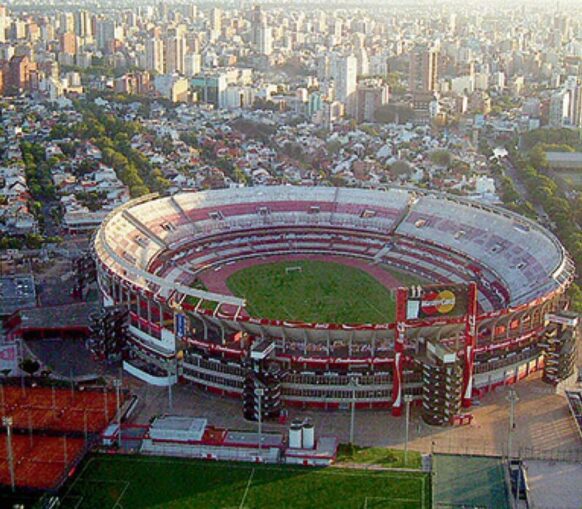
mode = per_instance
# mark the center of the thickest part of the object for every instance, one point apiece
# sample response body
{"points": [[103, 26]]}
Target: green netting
{"points": [[469, 481]]}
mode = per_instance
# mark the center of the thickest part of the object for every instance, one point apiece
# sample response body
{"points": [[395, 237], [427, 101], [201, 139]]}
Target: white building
{"points": [[265, 40], [346, 73], [463, 85], [192, 64], [559, 108]]}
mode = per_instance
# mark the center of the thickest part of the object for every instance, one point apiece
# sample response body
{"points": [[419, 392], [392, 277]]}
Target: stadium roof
{"points": [[572, 160]]}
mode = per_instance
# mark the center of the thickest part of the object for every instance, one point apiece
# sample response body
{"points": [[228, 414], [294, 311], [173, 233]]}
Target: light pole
{"points": [[7, 421], [117, 385], [513, 398], [170, 386], [407, 400], [354, 383], [105, 404], [260, 393]]}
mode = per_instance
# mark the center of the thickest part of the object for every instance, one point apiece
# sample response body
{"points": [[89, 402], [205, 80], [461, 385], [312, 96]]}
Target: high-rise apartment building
{"points": [[106, 32], [67, 22], [174, 53], [261, 33], [371, 95], [265, 40], [68, 43], [192, 64], [83, 25], [215, 23], [154, 51], [559, 108], [346, 74], [211, 88], [3, 22], [18, 75], [423, 71]]}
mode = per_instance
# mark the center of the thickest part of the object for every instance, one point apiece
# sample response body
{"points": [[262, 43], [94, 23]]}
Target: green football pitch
{"points": [[110, 482], [313, 291]]}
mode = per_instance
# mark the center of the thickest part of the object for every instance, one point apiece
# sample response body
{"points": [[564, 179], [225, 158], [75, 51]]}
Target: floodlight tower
{"points": [[7, 421]]}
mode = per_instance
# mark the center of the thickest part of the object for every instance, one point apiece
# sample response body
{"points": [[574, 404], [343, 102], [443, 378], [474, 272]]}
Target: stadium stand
{"points": [[153, 249]]}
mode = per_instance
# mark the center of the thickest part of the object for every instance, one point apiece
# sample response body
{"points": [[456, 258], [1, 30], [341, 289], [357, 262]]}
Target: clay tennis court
{"points": [[40, 462], [58, 409]]}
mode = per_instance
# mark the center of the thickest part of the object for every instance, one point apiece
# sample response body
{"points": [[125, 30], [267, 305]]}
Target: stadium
{"points": [[323, 296]]}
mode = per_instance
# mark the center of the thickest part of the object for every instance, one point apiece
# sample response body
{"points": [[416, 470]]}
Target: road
{"points": [[511, 171]]}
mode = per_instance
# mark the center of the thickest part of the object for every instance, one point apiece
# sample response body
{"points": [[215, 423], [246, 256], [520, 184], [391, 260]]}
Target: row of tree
{"points": [[38, 171], [30, 241], [112, 136], [565, 215], [506, 187]]}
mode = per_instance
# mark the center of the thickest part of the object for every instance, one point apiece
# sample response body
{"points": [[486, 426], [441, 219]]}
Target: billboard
{"points": [[181, 325], [8, 358], [434, 301]]}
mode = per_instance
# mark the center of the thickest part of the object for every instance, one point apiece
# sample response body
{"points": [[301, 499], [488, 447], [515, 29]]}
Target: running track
{"points": [[215, 281]]}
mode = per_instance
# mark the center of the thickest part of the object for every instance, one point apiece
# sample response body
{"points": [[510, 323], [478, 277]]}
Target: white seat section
{"points": [[520, 253], [442, 237]]}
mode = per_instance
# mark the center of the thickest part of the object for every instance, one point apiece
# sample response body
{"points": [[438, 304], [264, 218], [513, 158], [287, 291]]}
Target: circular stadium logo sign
{"points": [[441, 302]]}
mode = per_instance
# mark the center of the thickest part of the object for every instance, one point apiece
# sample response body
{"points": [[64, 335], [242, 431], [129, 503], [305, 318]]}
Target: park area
{"points": [[313, 291], [139, 482]]}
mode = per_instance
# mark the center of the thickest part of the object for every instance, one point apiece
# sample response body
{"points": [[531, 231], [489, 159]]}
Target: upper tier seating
{"points": [[525, 259]]}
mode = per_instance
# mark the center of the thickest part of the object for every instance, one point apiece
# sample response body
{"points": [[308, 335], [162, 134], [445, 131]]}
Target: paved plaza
{"points": [[543, 421]]}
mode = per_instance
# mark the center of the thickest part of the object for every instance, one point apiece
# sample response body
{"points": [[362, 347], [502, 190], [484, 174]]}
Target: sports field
{"points": [[469, 481], [313, 291], [107, 482]]}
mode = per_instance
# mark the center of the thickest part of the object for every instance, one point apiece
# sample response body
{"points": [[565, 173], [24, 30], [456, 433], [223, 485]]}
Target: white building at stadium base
{"points": [[510, 274]]}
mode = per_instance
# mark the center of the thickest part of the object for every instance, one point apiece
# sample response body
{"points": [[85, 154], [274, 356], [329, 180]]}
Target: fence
{"points": [[483, 448], [59, 409]]}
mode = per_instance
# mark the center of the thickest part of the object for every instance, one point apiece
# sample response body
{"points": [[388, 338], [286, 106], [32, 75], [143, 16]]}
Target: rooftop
{"points": [[16, 292], [251, 439], [191, 428]]}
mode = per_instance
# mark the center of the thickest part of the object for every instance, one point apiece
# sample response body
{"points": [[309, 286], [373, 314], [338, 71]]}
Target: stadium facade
{"points": [[492, 316]]}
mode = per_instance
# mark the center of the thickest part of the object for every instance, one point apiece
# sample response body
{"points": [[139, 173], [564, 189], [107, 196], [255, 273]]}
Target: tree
{"points": [[333, 147], [575, 294], [34, 241], [401, 169], [30, 366], [139, 190], [441, 157]]}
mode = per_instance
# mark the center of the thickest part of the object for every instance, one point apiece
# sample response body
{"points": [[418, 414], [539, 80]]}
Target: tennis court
{"points": [[59, 409], [40, 462]]}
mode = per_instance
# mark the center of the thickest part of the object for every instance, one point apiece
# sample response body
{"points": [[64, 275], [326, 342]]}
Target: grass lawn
{"points": [[318, 292], [206, 304], [391, 458], [193, 301], [105, 482]]}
